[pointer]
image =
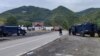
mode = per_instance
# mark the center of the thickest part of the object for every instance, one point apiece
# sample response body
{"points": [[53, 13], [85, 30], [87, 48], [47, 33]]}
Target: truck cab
{"points": [[76, 29]]}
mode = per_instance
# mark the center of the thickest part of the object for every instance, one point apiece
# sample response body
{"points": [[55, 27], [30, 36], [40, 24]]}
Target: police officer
{"points": [[60, 31], [69, 31]]}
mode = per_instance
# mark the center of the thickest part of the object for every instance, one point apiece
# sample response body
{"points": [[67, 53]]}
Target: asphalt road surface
{"points": [[21, 46], [28, 34]]}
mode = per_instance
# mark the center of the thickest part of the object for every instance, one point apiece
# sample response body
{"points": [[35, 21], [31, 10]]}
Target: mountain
{"points": [[62, 16], [88, 11], [30, 13], [91, 14]]}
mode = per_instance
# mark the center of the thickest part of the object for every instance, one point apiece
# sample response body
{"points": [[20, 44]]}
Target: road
{"points": [[28, 34], [20, 46]]}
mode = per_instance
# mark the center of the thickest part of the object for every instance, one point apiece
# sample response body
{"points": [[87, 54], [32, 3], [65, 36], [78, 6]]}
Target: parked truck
{"points": [[10, 30], [85, 28]]}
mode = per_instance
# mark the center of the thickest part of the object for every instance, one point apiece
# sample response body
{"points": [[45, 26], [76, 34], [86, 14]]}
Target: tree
{"points": [[25, 23], [11, 21]]}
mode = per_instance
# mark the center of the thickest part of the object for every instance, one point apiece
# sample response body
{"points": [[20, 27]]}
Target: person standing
{"points": [[69, 31], [60, 31]]}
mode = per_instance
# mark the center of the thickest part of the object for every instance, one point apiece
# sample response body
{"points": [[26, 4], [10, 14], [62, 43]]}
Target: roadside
{"points": [[69, 46]]}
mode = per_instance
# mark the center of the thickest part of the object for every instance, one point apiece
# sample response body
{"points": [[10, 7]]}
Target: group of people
{"points": [[61, 33]]}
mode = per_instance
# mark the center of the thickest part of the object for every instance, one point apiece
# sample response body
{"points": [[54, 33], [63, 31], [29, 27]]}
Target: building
{"points": [[38, 24]]}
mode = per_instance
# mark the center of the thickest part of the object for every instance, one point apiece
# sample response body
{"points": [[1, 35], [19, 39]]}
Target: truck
{"points": [[10, 30], [75, 29], [85, 28]]}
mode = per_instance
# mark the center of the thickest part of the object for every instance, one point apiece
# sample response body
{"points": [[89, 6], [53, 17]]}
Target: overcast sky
{"points": [[75, 5]]}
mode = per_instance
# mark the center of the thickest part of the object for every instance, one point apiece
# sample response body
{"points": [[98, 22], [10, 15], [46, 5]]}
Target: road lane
{"points": [[20, 46], [28, 34]]}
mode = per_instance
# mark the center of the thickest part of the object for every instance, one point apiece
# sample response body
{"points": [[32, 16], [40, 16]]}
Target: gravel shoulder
{"points": [[69, 46]]}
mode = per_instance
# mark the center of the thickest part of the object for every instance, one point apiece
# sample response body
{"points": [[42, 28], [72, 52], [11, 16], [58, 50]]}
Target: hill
{"points": [[62, 16], [30, 13], [91, 14], [88, 11]]}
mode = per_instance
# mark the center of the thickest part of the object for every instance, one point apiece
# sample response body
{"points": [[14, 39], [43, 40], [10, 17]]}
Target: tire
{"points": [[4, 34], [1, 33], [98, 34], [92, 34], [23, 34], [73, 33], [18, 34], [82, 34]]}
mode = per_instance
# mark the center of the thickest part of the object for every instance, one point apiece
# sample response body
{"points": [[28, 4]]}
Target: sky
{"points": [[74, 5]]}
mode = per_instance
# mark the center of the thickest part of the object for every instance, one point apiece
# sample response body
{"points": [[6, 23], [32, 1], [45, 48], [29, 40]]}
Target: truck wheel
{"points": [[23, 34], [5, 35], [98, 34], [18, 34], [82, 34], [1, 35], [73, 33], [92, 35]]}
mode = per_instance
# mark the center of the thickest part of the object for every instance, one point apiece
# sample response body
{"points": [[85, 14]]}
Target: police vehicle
{"points": [[10, 30], [85, 28]]}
